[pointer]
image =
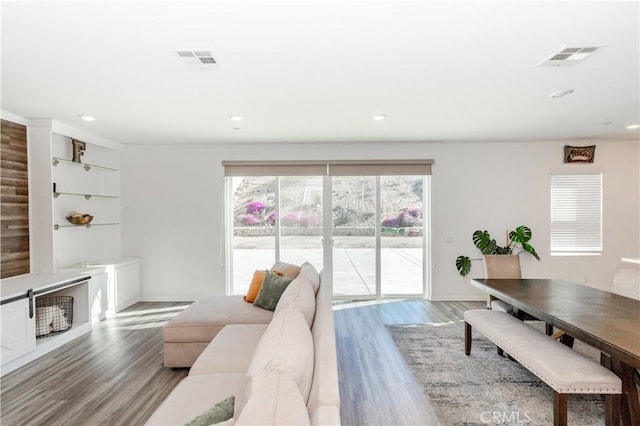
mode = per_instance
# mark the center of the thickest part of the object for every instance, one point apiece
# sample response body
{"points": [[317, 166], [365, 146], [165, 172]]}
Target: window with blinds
{"points": [[576, 213]]}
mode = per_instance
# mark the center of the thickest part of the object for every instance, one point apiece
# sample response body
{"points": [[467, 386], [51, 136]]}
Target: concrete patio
{"points": [[353, 262]]}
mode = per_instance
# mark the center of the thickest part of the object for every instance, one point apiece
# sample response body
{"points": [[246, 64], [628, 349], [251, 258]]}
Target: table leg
{"points": [[630, 401]]}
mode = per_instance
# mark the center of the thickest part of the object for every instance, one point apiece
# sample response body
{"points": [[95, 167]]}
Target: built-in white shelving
{"points": [[89, 186], [57, 186]]}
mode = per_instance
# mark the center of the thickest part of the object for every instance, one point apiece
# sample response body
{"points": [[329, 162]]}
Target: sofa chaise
{"points": [[279, 367]]}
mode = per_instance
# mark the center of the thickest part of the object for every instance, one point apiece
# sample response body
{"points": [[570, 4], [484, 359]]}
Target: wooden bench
{"points": [[563, 369]]}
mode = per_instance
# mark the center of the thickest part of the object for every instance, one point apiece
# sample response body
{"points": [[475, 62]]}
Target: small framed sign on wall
{"points": [[579, 154]]}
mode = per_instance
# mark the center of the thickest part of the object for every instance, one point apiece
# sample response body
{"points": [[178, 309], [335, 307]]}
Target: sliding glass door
{"points": [[378, 234], [354, 236], [402, 242], [367, 231], [272, 218], [301, 219]]}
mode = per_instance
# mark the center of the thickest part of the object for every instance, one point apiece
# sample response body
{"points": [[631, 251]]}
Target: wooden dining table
{"points": [[605, 320]]}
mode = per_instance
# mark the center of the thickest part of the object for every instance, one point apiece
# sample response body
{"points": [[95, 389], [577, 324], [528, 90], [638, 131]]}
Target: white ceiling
{"points": [[318, 70]]}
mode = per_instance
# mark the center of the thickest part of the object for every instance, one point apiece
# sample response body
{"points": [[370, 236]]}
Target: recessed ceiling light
{"points": [[379, 117], [86, 117], [633, 126], [235, 117], [561, 93]]}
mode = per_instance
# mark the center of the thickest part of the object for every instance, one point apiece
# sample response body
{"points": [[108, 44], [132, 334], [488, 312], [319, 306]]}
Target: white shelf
{"points": [[86, 166], [56, 227], [86, 196]]}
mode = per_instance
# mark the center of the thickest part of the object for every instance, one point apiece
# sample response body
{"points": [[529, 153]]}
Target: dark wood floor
{"points": [[114, 375]]}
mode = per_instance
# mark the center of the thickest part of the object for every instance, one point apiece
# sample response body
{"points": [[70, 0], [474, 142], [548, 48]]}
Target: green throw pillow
{"points": [[272, 288], [220, 412]]}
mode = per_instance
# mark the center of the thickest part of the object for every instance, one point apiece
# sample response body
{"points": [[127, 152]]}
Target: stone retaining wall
{"points": [[251, 231]]}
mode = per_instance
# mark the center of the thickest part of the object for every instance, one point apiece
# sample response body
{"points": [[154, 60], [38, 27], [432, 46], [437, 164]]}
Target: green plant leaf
{"points": [[490, 248], [522, 234], [463, 263], [481, 239], [503, 250], [531, 250]]}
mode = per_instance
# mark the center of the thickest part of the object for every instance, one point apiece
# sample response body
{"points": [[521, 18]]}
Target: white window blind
{"points": [[576, 213], [328, 168]]}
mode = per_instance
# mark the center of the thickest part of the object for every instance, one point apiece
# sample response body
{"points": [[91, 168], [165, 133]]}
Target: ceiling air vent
{"points": [[196, 60], [570, 55]]}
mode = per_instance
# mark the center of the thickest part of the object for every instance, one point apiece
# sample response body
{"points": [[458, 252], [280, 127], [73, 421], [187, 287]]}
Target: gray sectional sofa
{"points": [[280, 366]]}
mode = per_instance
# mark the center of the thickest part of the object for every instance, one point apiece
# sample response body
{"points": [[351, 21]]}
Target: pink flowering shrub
{"points": [[290, 219], [308, 221], [390, 222], [255, 207], [250, 220], [405, 219]]}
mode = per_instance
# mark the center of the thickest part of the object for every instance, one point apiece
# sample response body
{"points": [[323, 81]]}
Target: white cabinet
{"points": [[18, 330], [98, 297], [19, 342], [115, 288], [127, 285], [118, 287]]}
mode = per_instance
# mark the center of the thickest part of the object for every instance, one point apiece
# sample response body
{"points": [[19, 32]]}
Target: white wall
{"points": [[172, 207]]}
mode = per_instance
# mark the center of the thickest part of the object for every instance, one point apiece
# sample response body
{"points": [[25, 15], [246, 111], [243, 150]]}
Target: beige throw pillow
{"points": [[286, 269]]}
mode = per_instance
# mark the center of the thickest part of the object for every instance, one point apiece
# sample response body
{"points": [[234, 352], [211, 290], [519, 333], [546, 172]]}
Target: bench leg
{"points": [[548, 328], [612, 409], [567, 340], [559, 409], [467, 338]]}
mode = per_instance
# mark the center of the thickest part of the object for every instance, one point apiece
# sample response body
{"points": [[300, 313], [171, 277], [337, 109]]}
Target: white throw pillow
{"points": [[59, 321], [44, 317]]}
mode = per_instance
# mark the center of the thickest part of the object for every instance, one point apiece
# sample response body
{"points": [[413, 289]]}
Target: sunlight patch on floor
{"points": [[339, 305], [131, 313]]}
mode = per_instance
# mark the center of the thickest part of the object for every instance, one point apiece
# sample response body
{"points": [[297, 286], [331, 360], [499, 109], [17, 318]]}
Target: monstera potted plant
{"points": [[518, 238]]}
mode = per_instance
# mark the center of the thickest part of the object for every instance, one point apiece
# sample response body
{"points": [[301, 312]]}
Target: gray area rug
{"points": [[484, 388]]}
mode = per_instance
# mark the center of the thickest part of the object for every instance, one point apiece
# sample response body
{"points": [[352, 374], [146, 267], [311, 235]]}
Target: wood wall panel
{"points": [[14, 200]]}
